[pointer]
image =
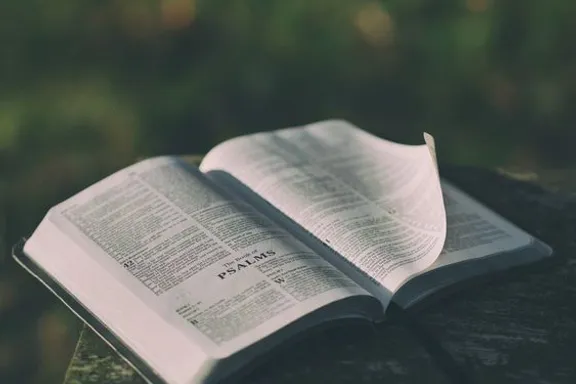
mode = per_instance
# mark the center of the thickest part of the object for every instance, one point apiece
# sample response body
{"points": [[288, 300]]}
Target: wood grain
{"points": [[521, 327]]}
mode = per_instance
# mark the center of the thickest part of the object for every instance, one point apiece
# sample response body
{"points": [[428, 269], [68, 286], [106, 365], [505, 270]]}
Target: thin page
{"points": [[376, 203], [474, 231], [221, 273]]}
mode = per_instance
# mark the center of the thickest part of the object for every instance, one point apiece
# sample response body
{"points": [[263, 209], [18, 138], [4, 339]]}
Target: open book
{"points": [[192, 273]]}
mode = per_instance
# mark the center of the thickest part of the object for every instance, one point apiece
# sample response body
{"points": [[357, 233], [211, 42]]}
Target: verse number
{"points": [[129, 264]]}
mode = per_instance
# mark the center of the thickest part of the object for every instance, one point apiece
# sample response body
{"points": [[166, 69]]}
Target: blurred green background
{"points": [[88, 86]]}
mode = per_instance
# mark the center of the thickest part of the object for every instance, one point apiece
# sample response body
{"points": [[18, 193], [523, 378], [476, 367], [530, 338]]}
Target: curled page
{"points": [[376, 203]]}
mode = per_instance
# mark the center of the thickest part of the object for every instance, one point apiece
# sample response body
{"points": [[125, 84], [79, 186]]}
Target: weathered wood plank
{"points": [[522, 327]]}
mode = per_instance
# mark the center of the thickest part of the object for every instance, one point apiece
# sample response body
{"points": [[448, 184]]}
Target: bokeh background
{"points": [[88, 86]]}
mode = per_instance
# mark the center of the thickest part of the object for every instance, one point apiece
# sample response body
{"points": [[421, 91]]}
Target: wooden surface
{"points": [[520, 328]]}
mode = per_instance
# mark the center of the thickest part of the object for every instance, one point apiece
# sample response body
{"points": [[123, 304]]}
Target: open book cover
{"points": [[191, 273]]}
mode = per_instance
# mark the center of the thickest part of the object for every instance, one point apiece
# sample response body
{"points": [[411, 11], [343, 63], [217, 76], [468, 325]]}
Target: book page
{"points": [[212, 266], [376, 203], [474, 231], [478, 242]]}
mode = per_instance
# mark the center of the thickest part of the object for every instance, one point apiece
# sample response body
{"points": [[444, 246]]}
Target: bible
{"points": [[193, 273]]}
